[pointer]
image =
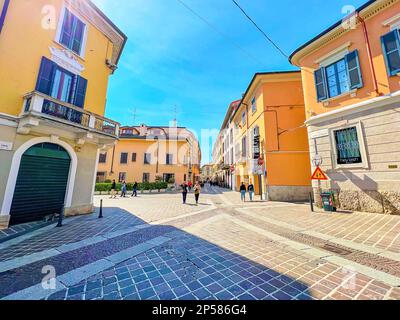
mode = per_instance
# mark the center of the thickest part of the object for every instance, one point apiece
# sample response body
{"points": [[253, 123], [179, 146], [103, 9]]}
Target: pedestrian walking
{"points": [[113, 190], [135, 188], [250, 188], [243, 192], [123, 190], [185, 191], [197, 191], [190, 185]]}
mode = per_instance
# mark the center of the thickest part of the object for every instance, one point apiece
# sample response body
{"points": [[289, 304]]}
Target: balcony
{"points": [[44, 114]]}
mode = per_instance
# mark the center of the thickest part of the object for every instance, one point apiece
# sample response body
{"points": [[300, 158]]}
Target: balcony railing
{"points": [[37, 103]]}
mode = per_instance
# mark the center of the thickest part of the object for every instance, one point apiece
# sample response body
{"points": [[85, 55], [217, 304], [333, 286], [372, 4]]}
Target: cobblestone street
{"points": [[154, 247]]}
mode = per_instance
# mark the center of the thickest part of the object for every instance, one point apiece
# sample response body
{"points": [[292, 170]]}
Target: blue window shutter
{"points": [[80, 92], [354, 70], [320, 84], [391, 51], [78, 36], [45, 78], [67, 29]]}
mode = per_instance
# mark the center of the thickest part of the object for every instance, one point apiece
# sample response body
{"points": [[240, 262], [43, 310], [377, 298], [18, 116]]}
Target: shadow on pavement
{"points": [[184, 268]]}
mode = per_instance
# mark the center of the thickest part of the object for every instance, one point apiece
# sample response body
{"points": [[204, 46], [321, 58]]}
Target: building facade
{"points": [[55, 61], [270, 139], [148, 154], [206, 172], [352, 92]]}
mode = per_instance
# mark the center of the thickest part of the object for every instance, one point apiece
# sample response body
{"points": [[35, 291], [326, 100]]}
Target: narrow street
{"points": [[154, 247]]}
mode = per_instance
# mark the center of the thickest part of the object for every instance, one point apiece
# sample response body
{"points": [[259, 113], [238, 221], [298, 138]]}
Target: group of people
{"points": [[187, 187], [244, 190], [124, 189]]}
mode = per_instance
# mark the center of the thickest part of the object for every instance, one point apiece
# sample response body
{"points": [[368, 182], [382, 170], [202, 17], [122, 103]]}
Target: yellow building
{"points": [[352, 94], [55, 61], [269, 139], [143, 154]]}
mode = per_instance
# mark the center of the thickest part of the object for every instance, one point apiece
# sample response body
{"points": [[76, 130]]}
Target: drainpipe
{"points": [[371, 61], [3, 14]]}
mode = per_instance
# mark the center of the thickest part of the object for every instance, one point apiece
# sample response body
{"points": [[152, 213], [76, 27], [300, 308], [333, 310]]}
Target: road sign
{"points": [[319, 175]]}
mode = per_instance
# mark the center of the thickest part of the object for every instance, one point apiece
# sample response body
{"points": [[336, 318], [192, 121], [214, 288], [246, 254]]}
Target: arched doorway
{"points": [[41, 184]]}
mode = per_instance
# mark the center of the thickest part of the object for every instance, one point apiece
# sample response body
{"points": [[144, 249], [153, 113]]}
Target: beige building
{"points": [[147, 154]]}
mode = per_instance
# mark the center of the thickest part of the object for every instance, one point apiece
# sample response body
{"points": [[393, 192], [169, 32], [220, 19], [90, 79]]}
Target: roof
{"points": [[232, 106], [334, 26], [258, 74], [123, 35]]}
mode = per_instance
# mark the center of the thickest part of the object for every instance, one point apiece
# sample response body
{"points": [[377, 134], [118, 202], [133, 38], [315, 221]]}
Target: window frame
{"points": [[105, 157], [169, 159], [127, 157], [134, 157], [254, 105], [57, 39], [148, 175], [145, 158], [335, 65], [365, 161]]}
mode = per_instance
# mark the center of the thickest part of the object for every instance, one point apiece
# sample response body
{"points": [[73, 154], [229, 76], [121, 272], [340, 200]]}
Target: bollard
{"points": [[60, 218], [101, 209], [311, 202]]}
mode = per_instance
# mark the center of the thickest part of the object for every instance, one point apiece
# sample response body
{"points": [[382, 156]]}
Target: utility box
{"points": [[328, 201]]}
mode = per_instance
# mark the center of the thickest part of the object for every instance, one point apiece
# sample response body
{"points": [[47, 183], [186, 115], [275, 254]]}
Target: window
{"points": [[147, 158], [146, 177], [254, 105], [72, 33], [337, 80], [122, 177], [134, 157], [124, 158], [61, 84], [169, 159], [348, 149], [340, 77], [103, 158], [391, 50], [169, 178], [244, 147], [244, 118], [101, 177], [231, 136]]}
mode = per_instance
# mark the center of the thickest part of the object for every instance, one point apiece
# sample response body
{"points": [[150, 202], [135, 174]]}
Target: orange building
{"points": [[352, 92], [145, 154], [270, 144]]}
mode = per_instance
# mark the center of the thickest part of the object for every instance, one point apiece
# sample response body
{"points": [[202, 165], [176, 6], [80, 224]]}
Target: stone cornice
{"points": [[367, 13]]}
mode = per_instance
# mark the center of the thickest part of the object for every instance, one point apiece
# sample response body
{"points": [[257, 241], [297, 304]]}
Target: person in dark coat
{"points": [[185, 190]]}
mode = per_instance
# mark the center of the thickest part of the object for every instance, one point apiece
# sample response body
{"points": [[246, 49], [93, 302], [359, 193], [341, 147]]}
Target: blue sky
{"points": [[173, 58]]}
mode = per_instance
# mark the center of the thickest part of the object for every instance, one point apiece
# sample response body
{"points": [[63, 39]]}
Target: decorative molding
{"points": [[377, 102], [101, 24], [66, 59], [334, 55]]}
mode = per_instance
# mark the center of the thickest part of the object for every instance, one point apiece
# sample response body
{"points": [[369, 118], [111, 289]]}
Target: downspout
{"points": [[371, 61], [4, 13]]}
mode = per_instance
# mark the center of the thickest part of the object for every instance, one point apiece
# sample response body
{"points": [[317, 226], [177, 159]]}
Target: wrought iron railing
{"points": [[40, 104]]}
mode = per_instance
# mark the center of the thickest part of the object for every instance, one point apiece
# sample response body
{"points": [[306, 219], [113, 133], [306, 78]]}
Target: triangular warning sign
{"points": [[319, 175]]}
